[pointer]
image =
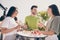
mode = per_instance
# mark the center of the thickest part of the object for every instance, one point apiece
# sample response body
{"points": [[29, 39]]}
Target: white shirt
{"points": [[9, 23]]}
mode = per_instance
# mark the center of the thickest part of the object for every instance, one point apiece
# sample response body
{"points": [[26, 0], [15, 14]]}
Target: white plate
{"points": [[29, 34]]}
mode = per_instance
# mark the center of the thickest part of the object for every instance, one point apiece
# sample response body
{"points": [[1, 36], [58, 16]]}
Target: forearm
{"points": [[8, 30], [47, 32]]}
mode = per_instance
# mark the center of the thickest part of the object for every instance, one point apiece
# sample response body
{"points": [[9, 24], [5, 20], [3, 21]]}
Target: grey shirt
{"points": [[54, 24]]}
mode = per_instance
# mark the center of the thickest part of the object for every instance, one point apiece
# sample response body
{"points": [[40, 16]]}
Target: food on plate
{"points": [[37, 32]]}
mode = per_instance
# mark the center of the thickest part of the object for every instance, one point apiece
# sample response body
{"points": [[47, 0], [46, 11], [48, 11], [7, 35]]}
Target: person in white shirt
{"points": [[9, 25]]}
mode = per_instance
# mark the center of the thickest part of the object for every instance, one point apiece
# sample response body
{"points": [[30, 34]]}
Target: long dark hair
{"points": [[11, 11], [55, 10]]}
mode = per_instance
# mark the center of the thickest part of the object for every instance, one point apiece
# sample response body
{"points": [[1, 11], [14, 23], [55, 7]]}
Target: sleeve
{"points": [[5, 23], [12, 23], [55, 26]]}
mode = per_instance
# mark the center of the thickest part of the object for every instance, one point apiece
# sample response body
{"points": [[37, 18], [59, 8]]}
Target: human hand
{"points": [[18, 27], [25, 26], [41, 25]]}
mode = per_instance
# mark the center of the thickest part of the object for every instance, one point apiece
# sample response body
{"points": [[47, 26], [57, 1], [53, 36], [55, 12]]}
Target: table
{"points": [[29, 35]]}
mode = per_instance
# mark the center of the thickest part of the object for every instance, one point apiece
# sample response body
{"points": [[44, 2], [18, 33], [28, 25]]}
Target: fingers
{"points": [[40, 25]]}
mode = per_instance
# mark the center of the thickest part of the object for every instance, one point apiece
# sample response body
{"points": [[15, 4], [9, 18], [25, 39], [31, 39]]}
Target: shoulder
{"points": [[8, 19], [57, 17], [27, 17]]}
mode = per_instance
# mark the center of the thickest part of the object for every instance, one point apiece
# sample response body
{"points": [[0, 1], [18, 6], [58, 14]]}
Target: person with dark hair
{"points": [[54, 9], [53, 24], [34, 6], [9, 25], [31, 20]]}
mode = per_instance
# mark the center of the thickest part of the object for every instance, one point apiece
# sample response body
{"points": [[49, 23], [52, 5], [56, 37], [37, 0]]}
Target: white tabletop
{"points": [[29, 34]]}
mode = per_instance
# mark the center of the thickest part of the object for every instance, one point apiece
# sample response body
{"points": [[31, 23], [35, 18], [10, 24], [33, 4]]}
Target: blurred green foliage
{"points": [[43, 15]]}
